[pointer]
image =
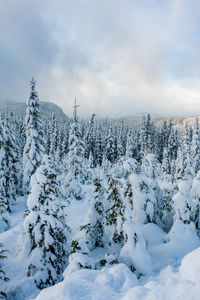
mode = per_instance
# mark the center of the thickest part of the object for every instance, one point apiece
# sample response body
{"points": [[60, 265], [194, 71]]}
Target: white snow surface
{"points": [[173, 258]]}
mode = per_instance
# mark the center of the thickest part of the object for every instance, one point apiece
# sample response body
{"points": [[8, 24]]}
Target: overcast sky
{"points": [[118, 57]]}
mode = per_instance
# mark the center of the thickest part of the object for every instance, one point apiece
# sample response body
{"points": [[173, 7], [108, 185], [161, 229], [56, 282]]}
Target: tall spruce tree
{"points": [[195, 148], [96, 226], [120, 142], [76, 174], [98, 152], [129, 145], [195, 192], [146, 193], [34, 148], [45, 227], [89, 139], [168, 191], [111, 151], [4, 200], [115, 212], [183, 204], [11, 161], [53, 132]]}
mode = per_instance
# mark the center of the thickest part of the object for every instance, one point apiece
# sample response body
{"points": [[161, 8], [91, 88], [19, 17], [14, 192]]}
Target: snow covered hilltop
{"points": [[99, 209]]}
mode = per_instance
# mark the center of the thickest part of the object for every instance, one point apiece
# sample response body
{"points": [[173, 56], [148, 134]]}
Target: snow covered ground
{"points": [[175, 258]]}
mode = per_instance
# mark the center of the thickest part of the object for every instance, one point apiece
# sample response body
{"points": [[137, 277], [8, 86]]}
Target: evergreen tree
{"points": [[195, 192], [11, 161], [115, 212], [53, 131], [173, 144], [150, 132], [164, 137], [65, 141], [120, 143], [195, 148], [179, 165], [89, 140], [183, 204], [59, 151], [4, 200], [98, 155], [3, 277], [188, 170], [75, 159], [34, 149], [129, 145], [45, 227], [146, 193], [96, 226], [143, 137], [166, 166], [134, 253], [110, 146], [168, 191]]}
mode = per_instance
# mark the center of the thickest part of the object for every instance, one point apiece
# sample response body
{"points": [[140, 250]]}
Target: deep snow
{"points": [[174, 256]]}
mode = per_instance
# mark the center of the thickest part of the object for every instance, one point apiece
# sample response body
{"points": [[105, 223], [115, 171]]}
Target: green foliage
{"points": [[75, 247], [117, 206]]}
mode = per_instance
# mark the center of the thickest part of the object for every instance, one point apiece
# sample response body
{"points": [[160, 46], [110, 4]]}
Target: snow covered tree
{"points": [[45, 227], [143, 137], [110, 150], [168, 190], [75, 159], [115, 212], [4, 200], [195, 148], [164, 137], [89, 139], [146, 193], [147, 136], [179, 165], [173, 144], [3, 277], [98, 152], [183, 204], [96, 226], [129, 145], [195, 192], [53, 131], [150, 132], [120, 142], [188, 170], [11, 168], [166, 166], [34, 148], [134, 253], [65, 140]]}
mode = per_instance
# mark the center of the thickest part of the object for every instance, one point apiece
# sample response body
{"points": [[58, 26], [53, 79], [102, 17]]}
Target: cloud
{"points": [[117, 57]]}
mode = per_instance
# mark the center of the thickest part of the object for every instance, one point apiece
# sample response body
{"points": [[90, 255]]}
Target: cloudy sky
{"points": [[118, 57]]}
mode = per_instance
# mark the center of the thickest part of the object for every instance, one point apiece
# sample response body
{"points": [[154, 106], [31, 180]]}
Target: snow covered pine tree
{"points": [[45, 227], [34, 149]]}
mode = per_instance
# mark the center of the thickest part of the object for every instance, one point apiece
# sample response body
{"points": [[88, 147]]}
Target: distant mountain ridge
{"points": [[46, 109], [179, 122]]}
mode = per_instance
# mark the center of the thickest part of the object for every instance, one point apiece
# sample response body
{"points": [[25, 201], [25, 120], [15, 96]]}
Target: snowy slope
{"points": [[119, 283], [174, 271]]}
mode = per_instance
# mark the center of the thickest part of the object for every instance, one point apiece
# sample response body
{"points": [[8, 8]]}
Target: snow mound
{"points": [[134, 253], [181, 240], [109, 283], [190, 266], [152, 234]]}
